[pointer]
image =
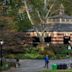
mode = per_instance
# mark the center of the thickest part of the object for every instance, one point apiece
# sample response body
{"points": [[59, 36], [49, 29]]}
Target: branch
{"points": [[28, 14], [45, 4], [39, 16], [49, 10], [54, 12]]}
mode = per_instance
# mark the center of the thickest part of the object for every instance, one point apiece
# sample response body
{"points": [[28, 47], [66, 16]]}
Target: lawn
{"points": [[57, 70]]}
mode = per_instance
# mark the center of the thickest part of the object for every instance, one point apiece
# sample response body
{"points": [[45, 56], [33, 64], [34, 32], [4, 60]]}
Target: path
{"points": [[36, 65]]}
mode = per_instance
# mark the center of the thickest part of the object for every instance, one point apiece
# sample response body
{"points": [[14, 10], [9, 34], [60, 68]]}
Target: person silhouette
{"points": [[17, 62]]}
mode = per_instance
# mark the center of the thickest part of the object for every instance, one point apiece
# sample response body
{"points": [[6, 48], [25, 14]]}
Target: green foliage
{"points": [[5, 66], [12, 10], [12, 56], [29, 56], [37, 3], [29, 53], [22, 22], [25, 56], [60, 51]]}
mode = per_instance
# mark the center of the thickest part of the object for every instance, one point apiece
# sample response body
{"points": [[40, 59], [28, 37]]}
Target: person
{"points": [[46, 58], [17, 62]]}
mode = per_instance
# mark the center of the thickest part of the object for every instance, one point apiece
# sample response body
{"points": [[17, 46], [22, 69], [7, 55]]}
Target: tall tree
{"points": [[42, 9]]}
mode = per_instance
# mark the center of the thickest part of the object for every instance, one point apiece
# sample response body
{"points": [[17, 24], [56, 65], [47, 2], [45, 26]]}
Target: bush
{"points": [[29, 56], [5, 66], [10, 56]]}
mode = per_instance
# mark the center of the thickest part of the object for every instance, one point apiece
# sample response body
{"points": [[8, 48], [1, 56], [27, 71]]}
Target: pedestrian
{"points": [[46, 58], [17, 62]]}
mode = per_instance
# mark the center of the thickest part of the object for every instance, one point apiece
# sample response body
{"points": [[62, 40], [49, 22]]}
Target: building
{"points": [[59, 27]]}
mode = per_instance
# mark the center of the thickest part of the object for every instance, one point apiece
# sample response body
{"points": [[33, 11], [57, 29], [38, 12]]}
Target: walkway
{"points": [[36, 65]]}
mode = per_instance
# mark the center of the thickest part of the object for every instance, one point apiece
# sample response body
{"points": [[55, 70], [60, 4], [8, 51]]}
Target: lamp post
{"points": [[1, 44]]}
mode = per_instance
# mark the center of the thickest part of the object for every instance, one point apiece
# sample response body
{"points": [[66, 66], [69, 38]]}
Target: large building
{"points": [[59, 27]]}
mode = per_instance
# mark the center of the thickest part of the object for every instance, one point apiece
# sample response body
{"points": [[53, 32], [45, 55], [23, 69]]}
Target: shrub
{"points": [[5, 66]]}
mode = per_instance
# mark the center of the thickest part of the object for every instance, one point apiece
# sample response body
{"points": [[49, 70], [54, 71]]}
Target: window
{"points": [[36, 40], [47, 39], [66, 39]]}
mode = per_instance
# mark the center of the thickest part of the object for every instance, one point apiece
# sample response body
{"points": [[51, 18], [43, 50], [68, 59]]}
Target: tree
{"points": [[38, 8], [10, 11], [40, 11]]}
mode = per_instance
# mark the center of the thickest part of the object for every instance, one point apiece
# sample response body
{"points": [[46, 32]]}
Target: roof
{"points": [[62, 27], [60, 16], [56, 27]]}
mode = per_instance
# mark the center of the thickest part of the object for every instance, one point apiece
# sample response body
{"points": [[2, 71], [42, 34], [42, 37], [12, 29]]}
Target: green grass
{"points": [[57, 70], [67, 70]]}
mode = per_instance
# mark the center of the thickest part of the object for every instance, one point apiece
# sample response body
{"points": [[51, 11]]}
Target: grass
{"points": [[57, 70]]}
